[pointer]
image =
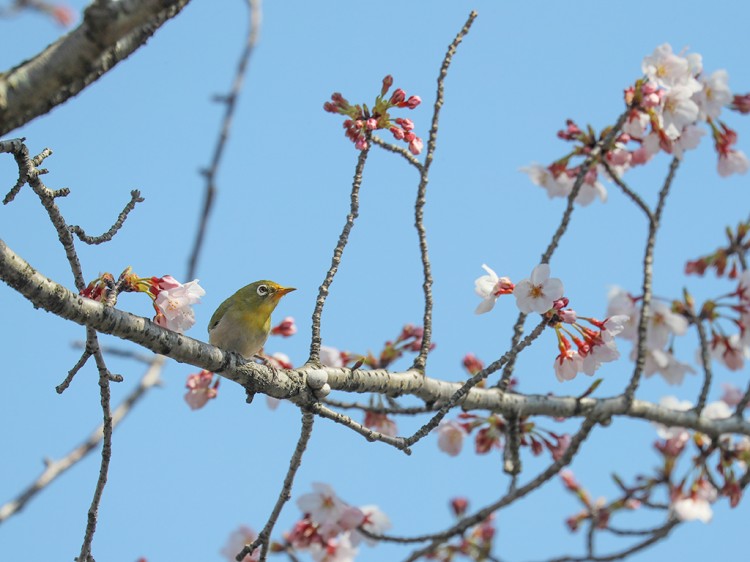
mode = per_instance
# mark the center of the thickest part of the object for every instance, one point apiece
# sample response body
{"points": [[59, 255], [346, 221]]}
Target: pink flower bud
{"points": [[285, 328], [361, 144], [741, 103], [409, 136], [472, 363], [372, 124], [398, 133], [413, 102], [387, 83], [415, 146], [398, 97], [459, 506], [407, 124]]}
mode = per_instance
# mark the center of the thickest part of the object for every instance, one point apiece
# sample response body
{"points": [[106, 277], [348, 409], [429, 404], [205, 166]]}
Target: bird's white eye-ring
{"points": [[262, 290]]}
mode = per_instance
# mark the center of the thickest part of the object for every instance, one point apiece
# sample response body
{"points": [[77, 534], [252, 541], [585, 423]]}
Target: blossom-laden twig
{"points": [[362, 121]]}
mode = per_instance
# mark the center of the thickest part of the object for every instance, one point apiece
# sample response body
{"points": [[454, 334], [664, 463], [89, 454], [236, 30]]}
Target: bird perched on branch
{"points": [[243, 321]]}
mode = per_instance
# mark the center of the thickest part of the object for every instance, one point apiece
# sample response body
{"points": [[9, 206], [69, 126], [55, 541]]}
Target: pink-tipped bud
{"points": [[387, 83], [398, 97], [330, 108], [459, 506], [407, 124], [413, 102], [398, 133], [409, 136], [361, 144], [372, 123], [415, 146], [741, 103]]}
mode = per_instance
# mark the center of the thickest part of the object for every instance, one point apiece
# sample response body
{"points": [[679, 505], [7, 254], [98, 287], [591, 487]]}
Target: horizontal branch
{"points": [[291, 384]]}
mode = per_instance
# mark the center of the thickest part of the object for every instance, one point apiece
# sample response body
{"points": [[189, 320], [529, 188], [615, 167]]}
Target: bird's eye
{"points": [[262, 290]]}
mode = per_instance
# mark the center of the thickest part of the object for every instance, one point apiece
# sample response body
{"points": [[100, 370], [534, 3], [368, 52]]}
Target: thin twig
{"points": [[646, 289], [640, 203], [230, 102], [107, 425], [657, 535], [135, 198], [336, 259], [472, 382], [469, 521], [366, 432], [594, 156], [264, 538], [706, 360], [421, 360], [63, 386], [400, 150], [379, 409]]}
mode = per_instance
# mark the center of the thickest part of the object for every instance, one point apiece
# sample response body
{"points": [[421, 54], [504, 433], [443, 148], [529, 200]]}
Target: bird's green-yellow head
{"points": [[242, 322]]}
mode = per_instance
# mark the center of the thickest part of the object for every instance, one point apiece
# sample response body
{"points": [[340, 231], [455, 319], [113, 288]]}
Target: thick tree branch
{"points": [[109, 33], [291, 384]]}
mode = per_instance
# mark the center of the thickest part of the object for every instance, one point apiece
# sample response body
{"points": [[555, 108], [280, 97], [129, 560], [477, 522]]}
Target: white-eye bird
{"points": [[243, 321]]}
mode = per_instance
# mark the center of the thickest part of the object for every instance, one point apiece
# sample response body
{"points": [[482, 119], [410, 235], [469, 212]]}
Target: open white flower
{"points": [[539, 292]]}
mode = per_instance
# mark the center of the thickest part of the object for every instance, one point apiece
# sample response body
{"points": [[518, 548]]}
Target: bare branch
{"points": [[264, 537], [336, 259], [230, 103], [421, 360], [135, 198], [56, 468], [648, 271]]}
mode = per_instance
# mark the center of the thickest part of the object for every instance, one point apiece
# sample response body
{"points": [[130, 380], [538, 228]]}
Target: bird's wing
{"points": [[218, 315]]}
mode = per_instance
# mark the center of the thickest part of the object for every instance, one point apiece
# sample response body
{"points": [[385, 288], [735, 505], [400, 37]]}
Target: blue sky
{"points": [[181, 481]]}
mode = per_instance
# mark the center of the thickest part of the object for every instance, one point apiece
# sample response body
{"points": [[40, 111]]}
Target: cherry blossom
{"points": [[539, 292], [450, 437], [489, 287], [732, 162], [174, 305], [732, 394], [331, 357], [200, 389], [334, 550], [375, 522], [323, 506], [729, 350], [662, 324], [567, 365], [697, 504], [239, 538], [380, 422], [714, 95], [673, 403], [664, 363], [668, 69]]}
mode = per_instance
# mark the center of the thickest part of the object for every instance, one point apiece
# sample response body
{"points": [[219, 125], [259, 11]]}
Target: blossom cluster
{"points": [[666, 109], [543, 294], [729, 256], [330, 528], [490, 435], [173, 301], [362, 120], [667, 321], [692, 500]]}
